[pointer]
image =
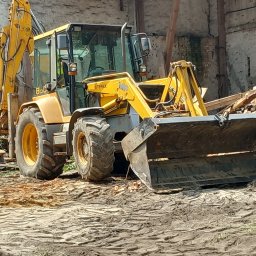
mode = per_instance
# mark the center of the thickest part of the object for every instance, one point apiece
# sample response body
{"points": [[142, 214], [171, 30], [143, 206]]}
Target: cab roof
{"points": [[66, 27]]}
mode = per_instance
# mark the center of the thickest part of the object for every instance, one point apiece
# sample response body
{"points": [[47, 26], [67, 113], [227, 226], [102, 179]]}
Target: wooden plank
{"points": [[223, 102], [171, 34], [221, 49], [139, 14], [3, 132], [247, 98]]}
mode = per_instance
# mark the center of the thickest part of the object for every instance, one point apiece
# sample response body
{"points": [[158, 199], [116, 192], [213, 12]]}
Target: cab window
{"points": [[42, 64]]}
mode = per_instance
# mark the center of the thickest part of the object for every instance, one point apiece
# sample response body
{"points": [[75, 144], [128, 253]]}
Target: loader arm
{"points": [[15, 39], [123, 87], [180, 85]]}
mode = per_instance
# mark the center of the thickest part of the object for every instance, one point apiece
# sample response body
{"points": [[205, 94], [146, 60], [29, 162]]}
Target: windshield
{"points": [[98, 52]]}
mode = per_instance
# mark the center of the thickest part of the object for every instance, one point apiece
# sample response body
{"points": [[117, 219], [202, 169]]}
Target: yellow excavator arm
{"points": [[15, 39]]}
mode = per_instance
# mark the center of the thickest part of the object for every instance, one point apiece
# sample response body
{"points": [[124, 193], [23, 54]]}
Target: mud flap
{"points": [[193, 151]]}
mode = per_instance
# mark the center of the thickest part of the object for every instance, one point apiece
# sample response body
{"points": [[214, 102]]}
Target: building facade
{"points": [[196, 36]]}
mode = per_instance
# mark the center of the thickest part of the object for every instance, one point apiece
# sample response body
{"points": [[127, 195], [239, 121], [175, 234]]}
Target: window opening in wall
{"points": [[121, 5], [249, 66]]}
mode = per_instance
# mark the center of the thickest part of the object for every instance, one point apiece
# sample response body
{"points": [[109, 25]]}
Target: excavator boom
{"points": [[14, 40]]}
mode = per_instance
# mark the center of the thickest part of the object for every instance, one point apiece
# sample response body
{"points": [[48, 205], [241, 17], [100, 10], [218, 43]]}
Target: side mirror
{"points": [[141, 45], [145, 45], [62, 42]]}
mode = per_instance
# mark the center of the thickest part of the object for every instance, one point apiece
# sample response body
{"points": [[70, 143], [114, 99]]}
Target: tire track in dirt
{"points": [[123, 218]]}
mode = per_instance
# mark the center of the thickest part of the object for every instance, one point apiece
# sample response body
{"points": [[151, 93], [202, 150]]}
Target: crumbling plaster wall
{"points": [[59, 12], [195, 38], [241, 46], [56, 13], [193, 16]]}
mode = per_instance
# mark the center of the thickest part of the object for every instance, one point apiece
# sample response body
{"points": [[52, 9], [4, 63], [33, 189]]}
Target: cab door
{"points": [[59, 71]]}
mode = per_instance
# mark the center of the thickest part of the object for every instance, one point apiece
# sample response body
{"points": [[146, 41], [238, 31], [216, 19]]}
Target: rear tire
{"points": [[93, 148], [34, 151]]}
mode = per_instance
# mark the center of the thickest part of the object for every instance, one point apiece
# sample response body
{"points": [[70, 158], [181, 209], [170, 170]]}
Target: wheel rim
{"points": [[82, 148], [30, 144]]}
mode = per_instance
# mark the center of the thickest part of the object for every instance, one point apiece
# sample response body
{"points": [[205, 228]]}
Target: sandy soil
{"points": [[68, 216]]}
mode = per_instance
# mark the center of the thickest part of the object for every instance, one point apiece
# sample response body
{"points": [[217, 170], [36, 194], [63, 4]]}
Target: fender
{"points": [[50, 108]]}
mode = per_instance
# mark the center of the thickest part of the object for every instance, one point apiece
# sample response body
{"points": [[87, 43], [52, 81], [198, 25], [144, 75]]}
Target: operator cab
{"points": [[95, 49], [65, 57]]}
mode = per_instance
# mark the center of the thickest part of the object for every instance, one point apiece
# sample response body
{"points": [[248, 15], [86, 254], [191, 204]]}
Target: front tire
{"points": [[34, 151], [93, 148]]}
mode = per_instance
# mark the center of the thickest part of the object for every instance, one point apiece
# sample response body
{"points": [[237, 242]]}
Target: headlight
{"points": [[72, 71]]}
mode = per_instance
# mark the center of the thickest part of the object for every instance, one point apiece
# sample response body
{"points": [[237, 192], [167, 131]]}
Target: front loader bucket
{"points": [[182, 152]]}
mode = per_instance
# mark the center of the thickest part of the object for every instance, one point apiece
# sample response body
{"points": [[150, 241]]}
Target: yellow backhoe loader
{"points": [[89, 101]]}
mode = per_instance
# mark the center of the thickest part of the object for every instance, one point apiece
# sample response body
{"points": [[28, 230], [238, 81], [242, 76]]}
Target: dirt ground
{"points": [[68, 216]]}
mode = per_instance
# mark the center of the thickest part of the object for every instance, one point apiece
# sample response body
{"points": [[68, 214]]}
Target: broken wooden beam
{"points": [[247, 98], [223, 102]]}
